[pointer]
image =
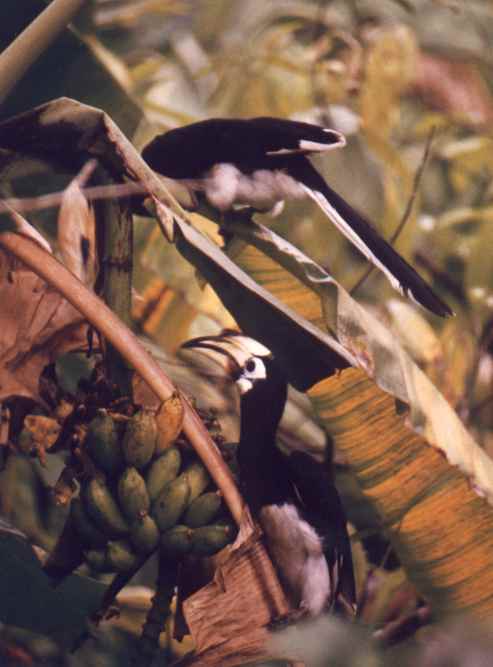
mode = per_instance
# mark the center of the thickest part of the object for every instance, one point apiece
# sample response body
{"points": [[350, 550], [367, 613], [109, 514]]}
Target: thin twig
{"points": [[407, 213], [53, 200]]}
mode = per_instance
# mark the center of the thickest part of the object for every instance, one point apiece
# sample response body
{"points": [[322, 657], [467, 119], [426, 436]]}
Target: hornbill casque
{"points": [[292, 496], [260, 162]]}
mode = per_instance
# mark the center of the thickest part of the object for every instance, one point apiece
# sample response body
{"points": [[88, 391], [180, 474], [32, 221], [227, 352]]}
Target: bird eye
{"points": [[250, 365]]}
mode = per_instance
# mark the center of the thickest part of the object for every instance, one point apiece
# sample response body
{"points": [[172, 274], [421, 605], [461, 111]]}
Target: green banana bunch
{"points": [[143, 497], [139, 441]]}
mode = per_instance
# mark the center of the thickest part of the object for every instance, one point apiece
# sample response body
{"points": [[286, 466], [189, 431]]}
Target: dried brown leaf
{"points": [[36, 325], [228, 618], [77, 231], [169, 420]]}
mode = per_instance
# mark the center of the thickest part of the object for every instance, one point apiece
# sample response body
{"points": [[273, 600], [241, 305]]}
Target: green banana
{"points": [[96, 559], [203, 509], [198, 479], [162, 470], [208, 540], [103, 444], [102, 508], [171, 503], [120, 557], [89, 533], [177, 541], [139, 441], [132, 494], [144, 535]]}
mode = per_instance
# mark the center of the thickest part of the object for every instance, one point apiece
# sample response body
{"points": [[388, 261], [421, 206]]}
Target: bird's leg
{"points": [[203, 207], [223, 229], [242, 216], [239, 216]]}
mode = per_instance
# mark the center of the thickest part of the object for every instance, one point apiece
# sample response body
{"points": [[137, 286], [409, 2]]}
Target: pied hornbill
{"points": [[292, 496], [260, 162]]}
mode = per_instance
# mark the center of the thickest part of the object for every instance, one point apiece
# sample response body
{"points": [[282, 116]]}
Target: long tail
{"points": [[363, 236]]}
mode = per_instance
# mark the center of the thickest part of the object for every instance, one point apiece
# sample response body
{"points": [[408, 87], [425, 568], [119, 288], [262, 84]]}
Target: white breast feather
{"points": [[225, 185], [297, 551], [221, 186]]}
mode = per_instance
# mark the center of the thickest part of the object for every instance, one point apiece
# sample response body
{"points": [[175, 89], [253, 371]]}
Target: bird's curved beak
{"points": [[217, 349], [230, 350]]}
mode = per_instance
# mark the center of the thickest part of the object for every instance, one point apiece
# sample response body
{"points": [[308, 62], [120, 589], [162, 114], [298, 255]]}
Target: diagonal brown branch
{"points": [[120, 336], [33, 41]]}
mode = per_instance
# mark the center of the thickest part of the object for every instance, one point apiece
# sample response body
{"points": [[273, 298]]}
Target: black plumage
{"points": [[262, 161], [293, 497], [190, 151]]}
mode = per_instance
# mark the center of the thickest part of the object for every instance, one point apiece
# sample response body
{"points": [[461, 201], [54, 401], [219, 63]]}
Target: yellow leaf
{"points": [[440, 527]]}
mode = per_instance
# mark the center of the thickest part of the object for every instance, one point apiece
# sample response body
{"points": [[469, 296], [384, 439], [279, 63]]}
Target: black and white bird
{"points": [[261, 162], [292, 496]]}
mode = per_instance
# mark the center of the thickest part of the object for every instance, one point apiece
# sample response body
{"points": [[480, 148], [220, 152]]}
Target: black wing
{"points": [[363, 236], [190, 151], [324, 511]]}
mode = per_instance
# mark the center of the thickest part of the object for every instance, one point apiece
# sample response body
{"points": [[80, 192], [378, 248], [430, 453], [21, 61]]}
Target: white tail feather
{"points": [[307, 146], [350, 234]]}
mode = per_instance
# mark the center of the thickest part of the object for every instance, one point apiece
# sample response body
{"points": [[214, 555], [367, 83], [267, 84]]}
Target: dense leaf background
{"points": [[386, 73]]}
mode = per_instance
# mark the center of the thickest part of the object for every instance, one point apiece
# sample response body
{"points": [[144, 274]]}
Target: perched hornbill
{"points": [[261, 162], [292, 496]]}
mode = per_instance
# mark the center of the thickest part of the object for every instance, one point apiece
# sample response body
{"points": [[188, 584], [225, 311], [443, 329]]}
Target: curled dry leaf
{"points": [[169, 419], [228, 619], [36, 325], [77, 231]]}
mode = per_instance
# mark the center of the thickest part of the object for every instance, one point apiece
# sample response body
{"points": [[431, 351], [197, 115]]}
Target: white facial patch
{"points": [[253, 370], [244, 385]]}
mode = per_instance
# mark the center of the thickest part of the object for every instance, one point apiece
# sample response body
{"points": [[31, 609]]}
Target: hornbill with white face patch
{"points": [[261, 162], [292, 496]]}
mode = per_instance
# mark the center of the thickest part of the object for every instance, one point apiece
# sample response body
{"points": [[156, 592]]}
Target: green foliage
{"points": [[59, 613]]}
